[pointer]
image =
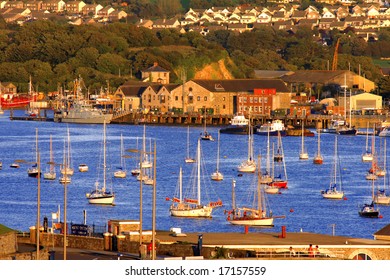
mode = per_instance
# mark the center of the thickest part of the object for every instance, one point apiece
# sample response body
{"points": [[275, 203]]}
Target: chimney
{"points": [[155, 64]]}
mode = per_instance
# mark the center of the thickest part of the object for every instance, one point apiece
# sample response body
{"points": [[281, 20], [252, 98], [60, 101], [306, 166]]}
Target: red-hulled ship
{"points": [[16, 101]]}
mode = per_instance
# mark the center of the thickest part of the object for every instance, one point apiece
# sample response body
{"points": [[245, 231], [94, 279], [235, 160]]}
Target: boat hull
{"points": [[86, 120], [303, 156], [279, 184], [120, 174], [247, 167], [49, 176], [106, 199], [217, 176], [252, 221], [242, 130], [333, 195], [198, 212]]}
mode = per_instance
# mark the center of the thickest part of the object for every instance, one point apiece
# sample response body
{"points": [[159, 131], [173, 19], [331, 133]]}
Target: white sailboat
{"points": [[33, 171], [136, 171], [188, 159], [303, 154], [65, 178], [367, 155], [69, 169], [266, 177], [248, 165], [193, 207], [258, 214], [121, 172], [335, 187], [51, 173], [217, 175], [381, 196], [371, 174], [101, 195], [146, 162]]}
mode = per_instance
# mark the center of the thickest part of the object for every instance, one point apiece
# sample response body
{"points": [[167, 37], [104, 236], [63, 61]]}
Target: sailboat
{"points": [[259, 214], [146, 162], [192, 207], [368, 155], [266, 177], [121, 172], [347, 129], [51, 173], [248, 165], [369, 210], [101, 195], [34, 170], [318, 159], [69, 169], [136, 171], [335, 187], [217, 175], [371, 174], [206, 135], [279, 180], [65, 178], [303, 154], [380, 196], [188, 159]]}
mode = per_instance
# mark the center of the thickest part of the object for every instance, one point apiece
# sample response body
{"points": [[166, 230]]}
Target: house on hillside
{"points": [[155, 74]]}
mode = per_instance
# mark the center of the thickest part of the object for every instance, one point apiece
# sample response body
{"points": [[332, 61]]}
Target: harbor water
{"points": [[301, 204]]}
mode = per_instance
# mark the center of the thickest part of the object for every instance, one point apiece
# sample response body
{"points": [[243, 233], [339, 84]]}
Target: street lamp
{"points": [[64, 166], [142, 153], [38, 163]]}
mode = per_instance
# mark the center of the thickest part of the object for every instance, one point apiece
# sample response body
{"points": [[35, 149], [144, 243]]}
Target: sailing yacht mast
{"points": [[104, 157]]}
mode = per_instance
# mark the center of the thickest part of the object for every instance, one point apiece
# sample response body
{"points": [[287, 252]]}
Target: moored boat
{"points": [[238, 125], [272, 128]]}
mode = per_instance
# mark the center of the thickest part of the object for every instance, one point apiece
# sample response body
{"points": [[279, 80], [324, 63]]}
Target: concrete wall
{"points": [[8, 243]]}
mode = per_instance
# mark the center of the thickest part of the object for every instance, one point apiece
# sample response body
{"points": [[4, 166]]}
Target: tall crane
{"points": [[335, 55]]}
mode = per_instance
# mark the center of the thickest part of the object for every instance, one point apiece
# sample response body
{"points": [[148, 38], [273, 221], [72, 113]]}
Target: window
{"points": [[198, 98], [244, 99], [224, 106], [256, 100], [251, 99], [176, 98], [223, 98], [205, 98], [190, 99]]}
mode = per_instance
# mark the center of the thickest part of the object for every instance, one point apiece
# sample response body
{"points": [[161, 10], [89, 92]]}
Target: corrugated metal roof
{"points": [[313, 76], [242, 85]]}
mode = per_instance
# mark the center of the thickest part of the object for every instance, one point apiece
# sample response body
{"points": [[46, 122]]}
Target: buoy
{"points": [[345, 198], [239, 175], [291, 210], [279, 192], [380, 216]]}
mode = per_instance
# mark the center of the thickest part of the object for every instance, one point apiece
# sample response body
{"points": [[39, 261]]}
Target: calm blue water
{"points": [[312, 213]]}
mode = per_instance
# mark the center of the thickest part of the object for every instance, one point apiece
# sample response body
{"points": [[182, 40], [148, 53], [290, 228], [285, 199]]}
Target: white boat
{"points": [[101, 195], [368, 155], [385, 132], [248, 165], [67, 168], [65, 179], [257, 214], [272, 128], [81, 110], [380, 195], [335, 187], [238, 125], [51, 173], [318, 159], [146, 162], [266, 177], [34, 171], [188, 159], [83, 167], [14, 165], [192, 207], [121, 170], [217, 175], [303, 154]]}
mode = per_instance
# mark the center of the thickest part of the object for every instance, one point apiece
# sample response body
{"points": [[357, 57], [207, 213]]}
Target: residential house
{"points": [[145, 23], [342, 13], [248, 18], [167, 101], [18, 16], [235, 18], [264, 17], [155, 74], [238, 27], [372, 12], [33, 5], [117, 15], [14, 5], [7, 88], [92, 9], [279, 16], [2, 4], [74, 7], [357, 11], [298, 15], [356, 22], [326, 23], [340, 25], [328, 14], [54, 6], [106, 11], [313, 15], [166, 23], [283, 25], [311, 23], [206, 18]]}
